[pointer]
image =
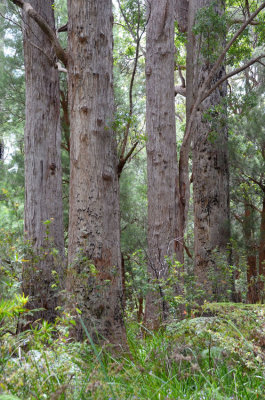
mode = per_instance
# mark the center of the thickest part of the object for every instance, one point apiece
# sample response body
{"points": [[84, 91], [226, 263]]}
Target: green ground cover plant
{"points": [[216, 354]]}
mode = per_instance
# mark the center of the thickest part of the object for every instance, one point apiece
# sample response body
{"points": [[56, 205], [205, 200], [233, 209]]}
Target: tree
{"points": [[247, 160], [94, 277], [43, 186], [197, 99], [210, 151], [161, 151]]}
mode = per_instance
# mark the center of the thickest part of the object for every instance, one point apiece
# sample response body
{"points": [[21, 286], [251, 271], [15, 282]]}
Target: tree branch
{"points": [[10, 20], [254, 207], [241, 21], [247, 7], [230, 43], [261, 63], [187, 251], [201, 91], [123, 161], [227, 76], [183, 82], [28, 9], [259, 183], [61, 68], [180, 90], [129, 27], [237, 217]]}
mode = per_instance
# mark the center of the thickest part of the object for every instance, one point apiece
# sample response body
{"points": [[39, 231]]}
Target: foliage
{"points": [[210, 25], [11, 260], [218, 354]]}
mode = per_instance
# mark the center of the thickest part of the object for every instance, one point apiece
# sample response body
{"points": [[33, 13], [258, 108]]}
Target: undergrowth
{"points": [[217, 354]]}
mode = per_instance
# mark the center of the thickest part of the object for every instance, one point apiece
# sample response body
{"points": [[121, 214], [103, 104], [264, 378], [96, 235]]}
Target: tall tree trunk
{"points": [[161, 152], [210, 165], [43, 174], [94, 278], [261, 293], [252, 295], [184, 14]]}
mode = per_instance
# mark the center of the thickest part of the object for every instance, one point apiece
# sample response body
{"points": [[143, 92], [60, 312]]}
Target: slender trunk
{"points": [[210, 166], [94, 280], [161, 153], [140, 310], [123, 281], [262, 254], [252, 295], [43, 173], [185, 19]]}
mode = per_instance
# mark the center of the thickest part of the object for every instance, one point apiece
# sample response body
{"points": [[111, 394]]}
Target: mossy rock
{"points": [[237, 330]]}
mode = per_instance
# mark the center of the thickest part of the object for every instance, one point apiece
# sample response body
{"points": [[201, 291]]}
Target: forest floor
{"points": [[218, 353]]}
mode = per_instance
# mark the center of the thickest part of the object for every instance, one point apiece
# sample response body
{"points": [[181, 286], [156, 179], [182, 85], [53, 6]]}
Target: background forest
{"points": [[132, 199]]}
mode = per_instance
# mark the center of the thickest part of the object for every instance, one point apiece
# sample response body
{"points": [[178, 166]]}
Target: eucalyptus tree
{"points": [[42, 138], [161, 152], [210, 151], [248, 192], [94, 277], [206, 127]]}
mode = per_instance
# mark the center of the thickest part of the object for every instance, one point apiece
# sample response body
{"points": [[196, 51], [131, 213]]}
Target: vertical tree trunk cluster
{"points": [[43, 186], [94, 274], [161, 152]]}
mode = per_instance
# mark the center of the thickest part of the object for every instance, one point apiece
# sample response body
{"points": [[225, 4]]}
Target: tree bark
{"points": [[210, 166], [43, 173], [261, 294], [161, 153], [183, 181], [181, 14], [94, 275], [202, 90], [252, 295]]}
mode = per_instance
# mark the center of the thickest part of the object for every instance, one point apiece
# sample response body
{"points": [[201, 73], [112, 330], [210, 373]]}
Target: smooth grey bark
{"points": [[94, 275], [43, 173], [210, 165], [161, 152]]}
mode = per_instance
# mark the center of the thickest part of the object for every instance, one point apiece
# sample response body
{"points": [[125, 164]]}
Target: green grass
{"points": [[220, 356]]}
